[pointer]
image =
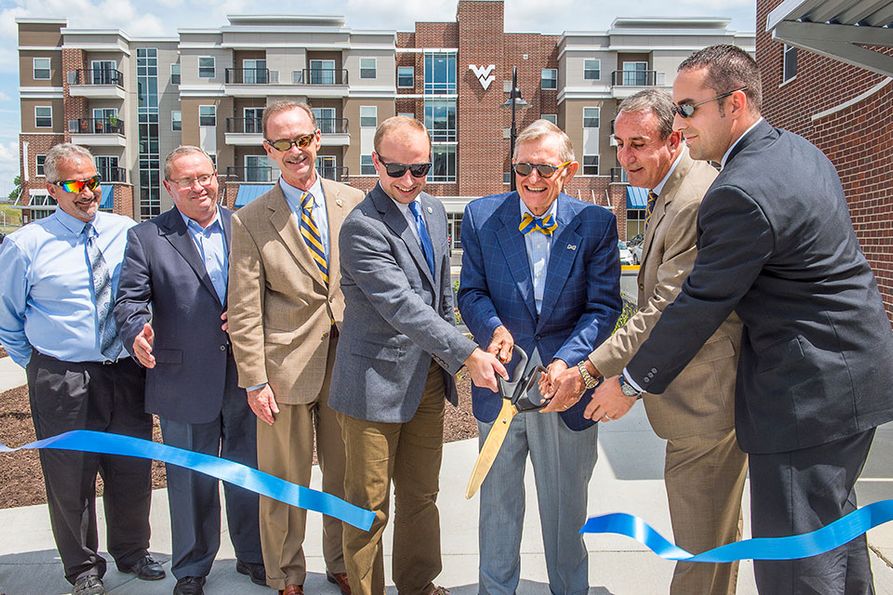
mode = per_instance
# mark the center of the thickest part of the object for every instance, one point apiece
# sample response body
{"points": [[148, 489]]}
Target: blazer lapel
{"points": [[283, 222], [336, 211], [565, 248], [515, 250], [394, 219], [174, 229]]}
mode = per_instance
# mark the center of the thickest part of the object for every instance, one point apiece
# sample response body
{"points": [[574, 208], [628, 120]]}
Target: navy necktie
{"points": [[424, 238], [102, 295]]}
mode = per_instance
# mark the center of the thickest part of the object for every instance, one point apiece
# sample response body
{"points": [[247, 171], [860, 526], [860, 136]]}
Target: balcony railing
{"points": [[319, 76], [618, 174], [245, 125], [332, 125], [337, 174], [96, 76], [96, 126], [266, 174], [113, 174], [637, 78], [251, 76]]}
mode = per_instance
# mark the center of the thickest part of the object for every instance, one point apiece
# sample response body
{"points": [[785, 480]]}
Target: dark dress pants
{"points": [[803, 490], [194, 498], [107, 398]]}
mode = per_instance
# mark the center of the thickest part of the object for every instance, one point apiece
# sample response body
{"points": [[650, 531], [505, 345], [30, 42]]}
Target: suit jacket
{"points": [[776, 245], [164, 282], [581, 300], [280, 312], [398, 315], [701, 400]]}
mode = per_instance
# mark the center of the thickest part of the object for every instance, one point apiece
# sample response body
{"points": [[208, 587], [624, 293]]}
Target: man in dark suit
{"points": [[776, 245], [171, 309], [395, 362], [540, 269]]}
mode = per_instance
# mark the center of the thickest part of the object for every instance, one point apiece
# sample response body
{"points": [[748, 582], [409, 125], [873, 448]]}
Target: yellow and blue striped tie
{"points": [[311, 236], [546, 225]]}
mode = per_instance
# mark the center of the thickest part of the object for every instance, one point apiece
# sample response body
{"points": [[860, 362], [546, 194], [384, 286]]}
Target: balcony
{"points": [[618, 174], [320, 82], [628, 82], [97, 132], [334, 132], [113, 174], [338, 174], [251, 76], [97, 83], [246, 132]]}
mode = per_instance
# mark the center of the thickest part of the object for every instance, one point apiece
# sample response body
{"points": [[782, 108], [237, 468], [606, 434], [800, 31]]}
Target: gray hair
{"points": [[179, 152], [728, 68], [62, 153], [285, 105], [541, 129], [657, 102]]}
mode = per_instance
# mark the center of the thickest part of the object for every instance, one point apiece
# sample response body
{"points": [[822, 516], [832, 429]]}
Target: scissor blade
{"points": [[491, 448]]}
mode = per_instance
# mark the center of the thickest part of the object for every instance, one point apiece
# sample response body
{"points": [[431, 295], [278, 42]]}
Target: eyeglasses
{"points": [[77, 186], [184, 183], [543, 169], [687, 110], [398, 170], [284, 144]]}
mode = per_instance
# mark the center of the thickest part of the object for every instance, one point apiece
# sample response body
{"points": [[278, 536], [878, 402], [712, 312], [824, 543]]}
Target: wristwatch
{"points": [[589, 380], [628, 389]]}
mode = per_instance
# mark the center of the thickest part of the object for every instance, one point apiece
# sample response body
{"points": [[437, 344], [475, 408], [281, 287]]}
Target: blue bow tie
{"points": [[545, 225]]}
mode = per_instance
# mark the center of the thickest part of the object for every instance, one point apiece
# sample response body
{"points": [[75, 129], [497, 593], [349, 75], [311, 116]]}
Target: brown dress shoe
{"points": [[340, 579], [292, 590]]}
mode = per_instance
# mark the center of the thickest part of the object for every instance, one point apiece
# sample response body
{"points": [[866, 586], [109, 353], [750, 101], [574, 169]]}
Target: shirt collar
{"points": [[193, 224], [73, 224], [552, 210], [734, 144], [659, 188], [294, 193]]}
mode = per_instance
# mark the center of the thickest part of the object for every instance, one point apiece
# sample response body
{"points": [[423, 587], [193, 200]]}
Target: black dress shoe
{"points": [[190, 585], [256, 572], [146, 568], [88, 584]]}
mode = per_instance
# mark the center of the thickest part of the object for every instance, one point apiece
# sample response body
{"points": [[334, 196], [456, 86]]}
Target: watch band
{"points": [[628, 389], [588, 379]]}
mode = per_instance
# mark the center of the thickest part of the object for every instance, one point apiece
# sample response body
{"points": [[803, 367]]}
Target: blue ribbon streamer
{"points": [[229, 471], [834, 535]]}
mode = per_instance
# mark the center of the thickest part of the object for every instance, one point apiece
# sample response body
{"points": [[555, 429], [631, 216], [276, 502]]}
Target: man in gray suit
{"points": [[395, 362]]}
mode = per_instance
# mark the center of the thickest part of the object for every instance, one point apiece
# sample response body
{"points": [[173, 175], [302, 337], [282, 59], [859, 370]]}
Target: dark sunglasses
{"points": [[687, 110], [397, 170], [543, 169], [77, 186], [284, 144]]}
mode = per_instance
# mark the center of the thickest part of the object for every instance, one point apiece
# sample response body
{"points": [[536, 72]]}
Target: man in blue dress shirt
{"points": [[56, 297]]}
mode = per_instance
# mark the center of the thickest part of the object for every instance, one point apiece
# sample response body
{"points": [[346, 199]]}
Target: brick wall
{"points": [[74, 107], [858, 139]]}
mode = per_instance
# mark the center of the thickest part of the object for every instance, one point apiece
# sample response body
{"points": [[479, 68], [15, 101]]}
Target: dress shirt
{"points": [[407, 214], [46, 290], [211, 244], [539, 247], [660, 186], [320, 215]]}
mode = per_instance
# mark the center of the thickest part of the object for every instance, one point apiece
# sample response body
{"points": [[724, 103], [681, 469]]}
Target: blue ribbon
{"points": [[229, 471], [834, 535]]}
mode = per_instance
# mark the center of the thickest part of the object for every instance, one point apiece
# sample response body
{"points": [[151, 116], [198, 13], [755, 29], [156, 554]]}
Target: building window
{"points": [[635, 74], [592, 69], [368, 68], [176, 121], [322, 72], [147, 116], [553, 118], [440, 73], [207, 67], [368, 116], [590, 165], [325, 119], [254, 118], [549, 78], [635, 223], [407, 114], [367, 168], [591, 117], [405, 77], [789, 70], [39, 161], [440, 120], [41, 69], [104, 72], [258, 169], [454, 230], [254, 72], [175, 73], [43, 116], [107, 168], [207, 115], [443, 158], [327, 166]]}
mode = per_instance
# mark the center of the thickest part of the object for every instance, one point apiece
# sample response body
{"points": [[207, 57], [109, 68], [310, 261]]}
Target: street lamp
{"points": [[513, 101]]}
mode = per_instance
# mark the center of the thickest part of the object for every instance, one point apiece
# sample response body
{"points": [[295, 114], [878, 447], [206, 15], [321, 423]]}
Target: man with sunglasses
{"points": [[396, 360], [540, 269], [60, 275], [285, 306], [777, 247]]}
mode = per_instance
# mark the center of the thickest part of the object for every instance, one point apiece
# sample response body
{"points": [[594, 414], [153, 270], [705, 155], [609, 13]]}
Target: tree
{"points": [[17, 188]]}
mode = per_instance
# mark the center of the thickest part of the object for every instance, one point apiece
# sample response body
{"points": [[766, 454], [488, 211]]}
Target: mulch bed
{"points": [[21, 480]]}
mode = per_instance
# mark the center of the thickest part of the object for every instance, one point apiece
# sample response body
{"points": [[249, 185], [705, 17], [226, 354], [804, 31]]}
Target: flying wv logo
{"points": [[484, 74]]}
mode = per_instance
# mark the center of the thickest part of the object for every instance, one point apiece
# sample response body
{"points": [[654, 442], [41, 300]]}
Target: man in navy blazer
{"points": [[171, 312], [541, 270]]}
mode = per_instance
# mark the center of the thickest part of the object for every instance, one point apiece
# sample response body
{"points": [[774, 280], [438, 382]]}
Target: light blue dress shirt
{"points": [[211, 245], [320, 215], [46, 291], [539, 247]]}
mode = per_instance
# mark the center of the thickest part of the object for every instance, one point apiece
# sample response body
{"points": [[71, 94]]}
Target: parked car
{"points": [[626, 256], [637, 253]]}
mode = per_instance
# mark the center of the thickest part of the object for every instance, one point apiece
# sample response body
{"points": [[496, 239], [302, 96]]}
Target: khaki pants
{"points": [[410, 454]]}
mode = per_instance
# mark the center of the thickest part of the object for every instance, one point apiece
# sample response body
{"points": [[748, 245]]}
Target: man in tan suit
{"points": [[285, 302], [705, 469]]}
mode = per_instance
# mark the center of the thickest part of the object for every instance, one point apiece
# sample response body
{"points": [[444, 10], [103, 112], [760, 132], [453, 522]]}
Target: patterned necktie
{"points": [[649, 210], [424, 238], [311, 236], [544, 225], [102, 295]]}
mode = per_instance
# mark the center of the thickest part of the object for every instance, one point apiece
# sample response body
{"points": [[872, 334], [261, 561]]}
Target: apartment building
{"points": [[131, 100]]}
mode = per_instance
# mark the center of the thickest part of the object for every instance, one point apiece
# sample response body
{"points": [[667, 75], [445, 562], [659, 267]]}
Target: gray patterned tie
{"points": [[102, 294]]}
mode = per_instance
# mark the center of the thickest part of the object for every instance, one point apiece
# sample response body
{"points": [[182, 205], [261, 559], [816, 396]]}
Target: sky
{"points": [[144, 18]]}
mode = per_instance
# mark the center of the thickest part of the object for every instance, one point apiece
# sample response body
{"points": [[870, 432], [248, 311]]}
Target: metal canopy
{"points": [[837, 29]]}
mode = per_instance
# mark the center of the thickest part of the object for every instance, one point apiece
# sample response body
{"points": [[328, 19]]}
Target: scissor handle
{"points": [[507, 387]]}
